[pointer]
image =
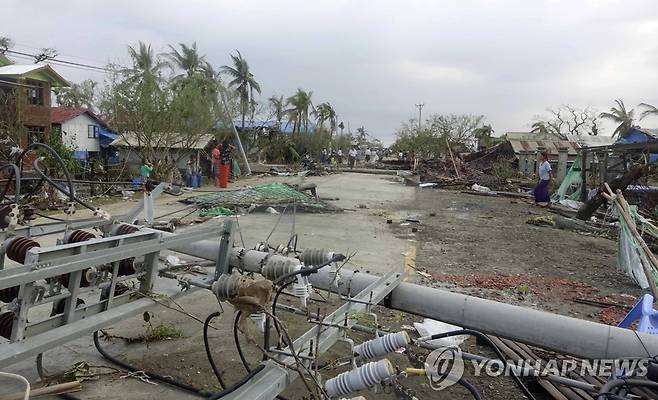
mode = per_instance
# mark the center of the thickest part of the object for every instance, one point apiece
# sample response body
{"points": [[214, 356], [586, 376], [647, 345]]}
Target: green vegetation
{"points": [[81, 94], [55, 141], [440, 130], [244, 83], [299, 112], [158, 112]]}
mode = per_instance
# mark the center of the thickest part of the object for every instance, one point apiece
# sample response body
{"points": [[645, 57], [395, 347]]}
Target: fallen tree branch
{"points": [[620, 183], [625, 213]]}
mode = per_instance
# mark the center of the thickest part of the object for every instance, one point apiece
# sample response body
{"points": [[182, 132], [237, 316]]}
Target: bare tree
{"points": [[45, 54], [6, 43], [567, 120]]}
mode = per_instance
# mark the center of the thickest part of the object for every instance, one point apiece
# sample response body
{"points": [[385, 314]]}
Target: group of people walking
{"points": [[336, 156]]}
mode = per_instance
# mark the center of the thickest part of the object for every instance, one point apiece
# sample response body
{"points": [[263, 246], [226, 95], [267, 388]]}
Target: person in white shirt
{"points": [[340, 156], [352, 157], [542, 190], [368, 154]]}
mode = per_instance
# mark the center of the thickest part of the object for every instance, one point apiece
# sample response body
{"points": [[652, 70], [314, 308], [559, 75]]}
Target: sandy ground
{"points": [[476, 245]]}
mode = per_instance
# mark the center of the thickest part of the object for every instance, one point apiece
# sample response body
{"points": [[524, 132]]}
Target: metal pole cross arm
{"points": [[273, 379]]}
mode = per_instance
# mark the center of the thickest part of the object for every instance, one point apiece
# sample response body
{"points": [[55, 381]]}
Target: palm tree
{"points": [[187, 60], [650, 110], [243, 82], [301, 103], [483, 135], [539, 128], [277, 105], [325, 112], [547, 128], [146, 65], [619, 115], [362, 135]]}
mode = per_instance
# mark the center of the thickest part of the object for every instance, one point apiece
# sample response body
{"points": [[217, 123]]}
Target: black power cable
{"points": [[238, 384], [59, 160], [309, 271], [157, 377], [207, 346], [16, 174], [495, 348], [470, 387], [70, 193], [180, 385], [239, 348], [236, 338]]}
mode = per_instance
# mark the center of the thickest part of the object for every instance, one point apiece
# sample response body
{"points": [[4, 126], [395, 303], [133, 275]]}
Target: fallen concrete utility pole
{"points": [[247, 168], [577, 337]]}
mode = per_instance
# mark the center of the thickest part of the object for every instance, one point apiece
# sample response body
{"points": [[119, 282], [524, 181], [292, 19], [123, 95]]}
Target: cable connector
{"points": [[102, 214], [302, 289], [259, 320], [70, 208]]}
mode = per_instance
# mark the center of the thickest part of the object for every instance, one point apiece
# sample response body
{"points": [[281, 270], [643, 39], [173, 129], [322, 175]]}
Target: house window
{"points": [[36, 133], [92, 131], [35, 93]]}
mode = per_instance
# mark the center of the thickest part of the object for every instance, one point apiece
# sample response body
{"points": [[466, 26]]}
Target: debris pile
{"points": [[445, 173], [485, 160], [261, 197]]}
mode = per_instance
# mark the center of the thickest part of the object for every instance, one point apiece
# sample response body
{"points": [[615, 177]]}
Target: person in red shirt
{"points": [[216, 159]]}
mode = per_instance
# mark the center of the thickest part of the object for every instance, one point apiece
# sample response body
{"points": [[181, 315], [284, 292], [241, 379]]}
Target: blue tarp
{"points": [[80, 154], [638, 135], [106, 137], [635, 135]]}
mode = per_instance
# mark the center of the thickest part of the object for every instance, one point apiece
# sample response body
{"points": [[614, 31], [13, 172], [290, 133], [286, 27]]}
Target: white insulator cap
{"points": [[366, 376], [382, 345]]}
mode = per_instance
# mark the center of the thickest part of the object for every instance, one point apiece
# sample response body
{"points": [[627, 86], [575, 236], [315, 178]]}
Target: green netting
{"points": [[573, 180], [215, 211], [270, 195]]}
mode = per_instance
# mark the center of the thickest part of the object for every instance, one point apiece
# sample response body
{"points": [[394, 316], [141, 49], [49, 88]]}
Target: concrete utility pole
{"points": [[420, 114]]}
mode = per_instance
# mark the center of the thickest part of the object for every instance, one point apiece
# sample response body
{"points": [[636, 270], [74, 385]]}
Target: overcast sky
{"points": [[373, 60]]}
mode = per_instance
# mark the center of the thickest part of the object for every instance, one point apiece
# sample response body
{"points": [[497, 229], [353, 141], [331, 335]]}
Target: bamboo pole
{"points": [[454, 164], [624, 211], [67, 387]]}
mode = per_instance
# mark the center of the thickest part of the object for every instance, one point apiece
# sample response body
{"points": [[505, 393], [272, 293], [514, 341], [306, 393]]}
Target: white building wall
{"points": [[74, 133]]}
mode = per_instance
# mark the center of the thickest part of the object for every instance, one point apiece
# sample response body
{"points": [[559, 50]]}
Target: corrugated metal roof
{"points": [[15, 70], [551, 146], [20, 69], [591, 141], [130, 140]]}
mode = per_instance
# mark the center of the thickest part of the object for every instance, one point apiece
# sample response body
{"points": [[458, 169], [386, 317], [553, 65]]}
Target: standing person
{"points": [[340, 156], [367, 153], [190, 171], [323, 156], [352, 157], [542, 190], [145, 170], [216, 158], [225, 162], [145, 173]]}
